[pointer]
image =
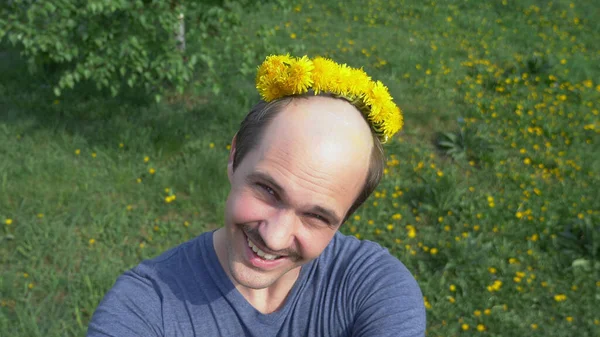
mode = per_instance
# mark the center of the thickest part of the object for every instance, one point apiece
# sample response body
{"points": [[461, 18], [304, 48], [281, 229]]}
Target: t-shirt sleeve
{"points": [[131, 308], [389, 301]]}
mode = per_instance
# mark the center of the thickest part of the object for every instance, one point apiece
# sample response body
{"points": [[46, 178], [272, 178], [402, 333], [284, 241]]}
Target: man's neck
{"points": [[266, 300]]}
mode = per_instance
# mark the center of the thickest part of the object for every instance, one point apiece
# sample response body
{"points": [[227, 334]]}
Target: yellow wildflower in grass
{"points": [[30, 285], [560, 297], [40, 215], [94, 154], [92, 241], [451, 299], [487, 312], [480, 327], [433, 251], [496, 286], [569, 319], [465, 326], [477, 313], [452, 287], [534, 326], [146, 159], [77, 152], [8, 222], [426, 302], [151, 170]]}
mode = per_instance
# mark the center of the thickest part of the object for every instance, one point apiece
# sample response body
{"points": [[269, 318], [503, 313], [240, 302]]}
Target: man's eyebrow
{"points": [[269, 180]]}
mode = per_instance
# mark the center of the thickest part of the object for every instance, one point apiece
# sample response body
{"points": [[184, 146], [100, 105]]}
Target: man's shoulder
{"points": [[377, 289], [171, 260], [352, 252], [363, 260]]}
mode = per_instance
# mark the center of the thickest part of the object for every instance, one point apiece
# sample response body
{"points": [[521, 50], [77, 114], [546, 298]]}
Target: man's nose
{"points": [[279, 231]]}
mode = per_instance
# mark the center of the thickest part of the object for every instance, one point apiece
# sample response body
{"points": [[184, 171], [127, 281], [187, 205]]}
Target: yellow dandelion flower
{"points": [[300, 75]]}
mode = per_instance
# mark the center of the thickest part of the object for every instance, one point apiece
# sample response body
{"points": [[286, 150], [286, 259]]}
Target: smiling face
{"points": [[290, 194]]}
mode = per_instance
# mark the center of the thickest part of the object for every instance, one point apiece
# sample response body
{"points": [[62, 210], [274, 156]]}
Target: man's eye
{"points": [[267, 189], [318, 217]]}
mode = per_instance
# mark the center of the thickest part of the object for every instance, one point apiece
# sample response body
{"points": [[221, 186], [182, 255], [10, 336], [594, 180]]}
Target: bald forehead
{"points": [[325, 123]]}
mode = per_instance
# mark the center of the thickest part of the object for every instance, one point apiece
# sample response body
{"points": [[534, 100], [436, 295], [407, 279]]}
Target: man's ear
{"points": [[231, 156]]}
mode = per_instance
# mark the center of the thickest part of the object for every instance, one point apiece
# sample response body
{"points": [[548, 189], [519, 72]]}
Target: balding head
{"points": [[329, 131]]}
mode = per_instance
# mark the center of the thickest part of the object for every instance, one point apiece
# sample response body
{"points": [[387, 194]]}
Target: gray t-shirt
{"points": [[354, 288]]}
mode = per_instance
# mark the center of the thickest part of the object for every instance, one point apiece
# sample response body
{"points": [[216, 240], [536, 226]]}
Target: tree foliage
{"points": [[110, 42]]}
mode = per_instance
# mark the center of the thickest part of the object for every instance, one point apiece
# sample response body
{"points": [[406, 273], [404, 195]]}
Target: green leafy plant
{"points": [[109, 42], [463, 144]]}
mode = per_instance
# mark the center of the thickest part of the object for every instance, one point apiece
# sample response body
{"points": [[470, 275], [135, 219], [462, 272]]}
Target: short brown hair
{"points": [[258, 119]]}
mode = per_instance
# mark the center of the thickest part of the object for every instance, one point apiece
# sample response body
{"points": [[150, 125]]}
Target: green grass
{"points": [[516, 201]]}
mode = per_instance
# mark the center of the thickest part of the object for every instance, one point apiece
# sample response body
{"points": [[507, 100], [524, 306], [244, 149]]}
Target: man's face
{"points": [[289, 195]]}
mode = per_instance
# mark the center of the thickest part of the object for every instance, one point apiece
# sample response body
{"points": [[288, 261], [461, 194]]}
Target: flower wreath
{"points": [[283, 75]]}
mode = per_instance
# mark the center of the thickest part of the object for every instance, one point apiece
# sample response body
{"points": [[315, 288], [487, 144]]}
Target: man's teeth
{"points": [[260, 252]]}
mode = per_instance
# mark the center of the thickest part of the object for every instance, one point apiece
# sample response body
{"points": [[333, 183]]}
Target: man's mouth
{"points": [[260, 253]]}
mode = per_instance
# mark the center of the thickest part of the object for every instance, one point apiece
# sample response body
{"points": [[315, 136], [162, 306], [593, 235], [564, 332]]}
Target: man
{"points": [[299, 166]]}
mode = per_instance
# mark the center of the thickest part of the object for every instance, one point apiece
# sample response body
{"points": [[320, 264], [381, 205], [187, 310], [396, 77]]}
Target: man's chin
{"points": [[249, 277]]}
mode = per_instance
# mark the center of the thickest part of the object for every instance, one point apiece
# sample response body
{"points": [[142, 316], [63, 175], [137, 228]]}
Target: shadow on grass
{"points": [[132, 118]]}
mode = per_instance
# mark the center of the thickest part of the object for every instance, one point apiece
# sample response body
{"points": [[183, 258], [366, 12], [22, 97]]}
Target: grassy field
{"points": [[491, 193]]}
